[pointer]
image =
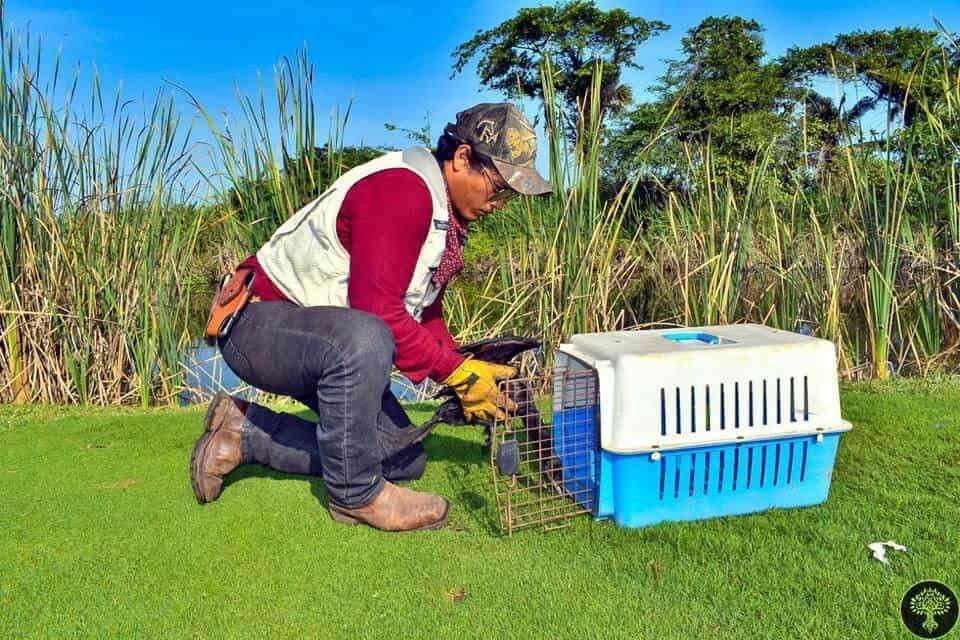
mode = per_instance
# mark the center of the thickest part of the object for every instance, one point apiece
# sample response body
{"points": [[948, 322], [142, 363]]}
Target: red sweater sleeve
{"points": [[388, 216], [432, 321]]}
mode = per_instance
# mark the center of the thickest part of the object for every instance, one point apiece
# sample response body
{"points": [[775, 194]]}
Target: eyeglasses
{"points": [[501, 192]]}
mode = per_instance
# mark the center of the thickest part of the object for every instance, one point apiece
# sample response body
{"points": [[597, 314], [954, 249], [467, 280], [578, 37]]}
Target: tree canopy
{"points": [[891, 64], [724, 95], [719, 91], [574, 35]]}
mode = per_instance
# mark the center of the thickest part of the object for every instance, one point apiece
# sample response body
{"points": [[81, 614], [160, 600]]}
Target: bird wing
{"points": [[879, 551]]}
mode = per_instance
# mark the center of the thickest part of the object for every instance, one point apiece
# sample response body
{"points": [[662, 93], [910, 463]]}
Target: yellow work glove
{"points": [[475, 383]]}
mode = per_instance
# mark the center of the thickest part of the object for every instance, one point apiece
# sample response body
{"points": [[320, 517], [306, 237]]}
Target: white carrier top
{"points": [[676, 388]]}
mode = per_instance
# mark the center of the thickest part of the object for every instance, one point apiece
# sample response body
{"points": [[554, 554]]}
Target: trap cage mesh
{"points": [[545, 451]]}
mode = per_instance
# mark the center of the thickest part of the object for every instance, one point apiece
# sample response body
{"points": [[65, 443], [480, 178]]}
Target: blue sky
{"points": [[393, 59]]}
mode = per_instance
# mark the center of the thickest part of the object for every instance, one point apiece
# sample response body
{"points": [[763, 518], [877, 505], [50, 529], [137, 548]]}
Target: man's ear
{"points": [[461, 158]]}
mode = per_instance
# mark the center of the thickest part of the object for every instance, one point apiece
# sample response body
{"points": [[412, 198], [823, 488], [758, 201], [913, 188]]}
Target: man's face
{"points": [[476, 191]]}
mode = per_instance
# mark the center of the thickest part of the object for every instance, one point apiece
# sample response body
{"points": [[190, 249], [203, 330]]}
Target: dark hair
{"points": [[448, 144]]}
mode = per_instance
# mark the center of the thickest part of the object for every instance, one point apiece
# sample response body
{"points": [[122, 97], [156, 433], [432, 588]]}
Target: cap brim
{"points": [[523, 179]]}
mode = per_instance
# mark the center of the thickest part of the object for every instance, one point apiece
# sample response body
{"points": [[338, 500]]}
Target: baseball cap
{"points": [[503, 134]]}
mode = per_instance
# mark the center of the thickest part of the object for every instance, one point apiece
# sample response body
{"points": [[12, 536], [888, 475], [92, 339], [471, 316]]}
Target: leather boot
{"points": [[219, 450], [396, 509]]}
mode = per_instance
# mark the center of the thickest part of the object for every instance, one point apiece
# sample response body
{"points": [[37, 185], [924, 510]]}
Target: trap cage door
{"points": [[545, 452]]}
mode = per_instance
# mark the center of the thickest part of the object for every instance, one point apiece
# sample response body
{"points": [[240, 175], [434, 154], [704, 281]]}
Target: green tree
{"points": [[828, 125], [906, 72], [720, 94], [890, 64], [930, 603], [573, 34]]}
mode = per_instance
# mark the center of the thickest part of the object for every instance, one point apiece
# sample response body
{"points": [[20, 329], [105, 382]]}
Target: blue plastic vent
{"points": [[693, 336]]}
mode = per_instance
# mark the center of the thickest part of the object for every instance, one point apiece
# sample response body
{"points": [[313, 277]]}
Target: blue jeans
{"points": [[337, 361]]}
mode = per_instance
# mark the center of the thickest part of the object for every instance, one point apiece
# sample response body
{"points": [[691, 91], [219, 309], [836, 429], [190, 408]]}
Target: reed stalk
{"points": [[105, 240], [94, 236]]}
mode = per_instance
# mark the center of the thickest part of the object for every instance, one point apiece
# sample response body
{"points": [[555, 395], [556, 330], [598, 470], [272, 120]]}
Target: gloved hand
{"points": [[475, 383]]}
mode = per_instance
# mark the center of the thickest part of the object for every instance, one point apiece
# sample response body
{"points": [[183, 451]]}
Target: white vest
{"points": [[306, 261]]}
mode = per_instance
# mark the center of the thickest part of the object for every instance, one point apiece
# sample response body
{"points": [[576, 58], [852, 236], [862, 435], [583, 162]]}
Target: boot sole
{"points": [[348, 519], [200, 449]]}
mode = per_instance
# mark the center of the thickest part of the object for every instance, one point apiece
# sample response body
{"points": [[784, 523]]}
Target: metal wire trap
{"points": [[544, 453]]}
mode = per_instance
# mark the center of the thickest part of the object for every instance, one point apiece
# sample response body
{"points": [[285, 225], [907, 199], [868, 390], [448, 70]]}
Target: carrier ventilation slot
{"points": [[732, 470], [747, 404]]}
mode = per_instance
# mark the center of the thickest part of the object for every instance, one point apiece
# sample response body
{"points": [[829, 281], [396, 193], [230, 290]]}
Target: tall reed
{"points": [[569, 267], [106, 247], [824, 260], [272, 162], [94, 237]]}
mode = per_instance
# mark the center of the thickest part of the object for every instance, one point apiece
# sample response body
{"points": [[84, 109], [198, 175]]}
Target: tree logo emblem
{"points": [[929, 609]]}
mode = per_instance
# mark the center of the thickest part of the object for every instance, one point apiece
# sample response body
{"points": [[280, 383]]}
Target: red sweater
{"points": [[382, 224]]}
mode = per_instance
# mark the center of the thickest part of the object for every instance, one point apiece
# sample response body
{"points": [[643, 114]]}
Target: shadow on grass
{"points": [[254, 470], [465, 469], [467, 472]]}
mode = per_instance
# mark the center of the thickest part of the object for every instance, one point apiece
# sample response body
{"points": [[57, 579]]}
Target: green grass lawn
{"points": [[100, 536]]}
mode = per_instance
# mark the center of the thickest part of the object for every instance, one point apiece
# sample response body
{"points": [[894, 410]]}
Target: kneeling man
{"points": [[350, 286]]}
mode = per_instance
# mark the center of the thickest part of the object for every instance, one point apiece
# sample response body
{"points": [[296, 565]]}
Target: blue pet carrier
{"points": [[670, 425]]}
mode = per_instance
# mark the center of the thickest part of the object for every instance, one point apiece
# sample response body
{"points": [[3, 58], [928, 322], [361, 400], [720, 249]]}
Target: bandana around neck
{"points": [[451, 262]]}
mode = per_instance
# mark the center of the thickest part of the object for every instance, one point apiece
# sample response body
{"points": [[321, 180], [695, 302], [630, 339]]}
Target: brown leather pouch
{"points": [[232, 296]]}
